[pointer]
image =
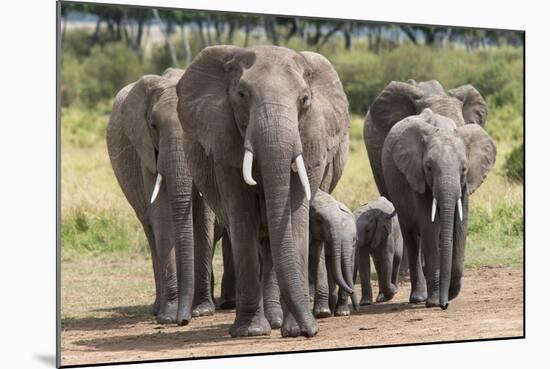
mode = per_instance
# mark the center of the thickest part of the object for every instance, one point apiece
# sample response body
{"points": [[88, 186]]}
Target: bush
{"points": [[106, 231], [360, 77], [100, 76], [85, 127], [513, 167], [107, 70]]}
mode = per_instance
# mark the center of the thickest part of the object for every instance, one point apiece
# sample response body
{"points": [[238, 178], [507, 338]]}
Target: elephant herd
{"points": [[247, 144]]}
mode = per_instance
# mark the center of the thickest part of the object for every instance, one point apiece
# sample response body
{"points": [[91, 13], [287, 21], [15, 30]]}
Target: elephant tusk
{"points": [[434, 208], [156, 189], [247, 168], [459, 204], [303, 176]]}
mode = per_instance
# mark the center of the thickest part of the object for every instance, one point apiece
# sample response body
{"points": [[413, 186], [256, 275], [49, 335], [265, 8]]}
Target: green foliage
{"points": [[505, 123], [85, 127], [96, 218], [107, 70], [513, 167], [100, 75], [83, 231], [496, 73]]}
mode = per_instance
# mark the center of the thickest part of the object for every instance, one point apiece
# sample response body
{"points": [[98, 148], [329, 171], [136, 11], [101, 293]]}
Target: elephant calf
{"points": [[379, 236], [332, 225]]}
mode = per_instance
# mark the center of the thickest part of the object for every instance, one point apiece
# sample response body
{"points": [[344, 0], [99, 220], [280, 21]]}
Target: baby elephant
{"points": [[379, 236], [332, 230]]}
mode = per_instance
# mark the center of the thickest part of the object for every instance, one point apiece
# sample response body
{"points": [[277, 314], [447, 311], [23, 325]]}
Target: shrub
{"points": [[70, 79], [106, 231], [106, 71], [85, 127], [513, 167]]}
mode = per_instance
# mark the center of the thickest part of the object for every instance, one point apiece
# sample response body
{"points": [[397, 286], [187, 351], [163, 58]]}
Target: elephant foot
{"points": [[275, 318], [291, 328], [365, 300], [432, 301], [227, 304], [382, 298], [417, 297], [167, 313], [205, 308], [154, 308], [321, 310], [342, 310], [256, 325]]}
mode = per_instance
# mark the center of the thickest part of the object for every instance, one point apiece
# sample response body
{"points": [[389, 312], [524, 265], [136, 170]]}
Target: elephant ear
{"points": [[173, 73], [474, 108], [481, 154], [406, 143], [204, 109], [396, 102], [324, 129], [134, 113]]}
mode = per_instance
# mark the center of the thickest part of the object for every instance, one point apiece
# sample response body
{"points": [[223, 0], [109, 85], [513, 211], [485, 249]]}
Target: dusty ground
{"points": [[490, 305]]}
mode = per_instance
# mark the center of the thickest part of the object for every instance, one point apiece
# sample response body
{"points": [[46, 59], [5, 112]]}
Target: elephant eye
{"points": [[429, 167], [304, 99], [242, 94]]}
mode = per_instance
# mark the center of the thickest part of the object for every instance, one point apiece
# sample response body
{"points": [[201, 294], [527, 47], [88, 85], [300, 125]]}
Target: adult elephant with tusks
{"points": [[266, 126], [144, 140], [429, 152]]}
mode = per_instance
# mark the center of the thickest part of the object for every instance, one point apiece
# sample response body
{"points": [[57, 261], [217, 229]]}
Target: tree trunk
{"points": [[186, 47], [246, 34], [201, 34], [169, 45], [208, 35], [347, 36], [231, 32]]}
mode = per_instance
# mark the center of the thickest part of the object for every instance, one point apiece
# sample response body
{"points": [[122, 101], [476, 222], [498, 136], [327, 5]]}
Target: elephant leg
{"points": [[418, 282], [154, 308], [166, 260], [364, 275], [318, 270], [430, 250], [404, 265], [331, 284], [396, 270], [271, 294], [227, 299], [203, 230], [250, 318], [342, 306]]}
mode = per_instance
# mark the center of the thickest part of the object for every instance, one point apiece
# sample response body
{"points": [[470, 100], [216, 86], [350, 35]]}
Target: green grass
{"points": [[97, 220]]}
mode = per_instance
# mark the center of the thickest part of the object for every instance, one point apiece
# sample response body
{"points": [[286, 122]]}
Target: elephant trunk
{"points": [[275, 141], [447, 203], [341, 260], [179, 185]]}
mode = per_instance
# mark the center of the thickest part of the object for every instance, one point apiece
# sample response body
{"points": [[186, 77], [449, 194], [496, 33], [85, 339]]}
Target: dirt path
{"points": [[490, 305]]}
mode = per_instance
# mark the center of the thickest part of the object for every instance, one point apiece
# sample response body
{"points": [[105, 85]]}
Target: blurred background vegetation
{"points": [[106, 47]]}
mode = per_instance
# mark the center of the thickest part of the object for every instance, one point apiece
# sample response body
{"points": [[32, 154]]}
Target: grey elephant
{"points": [[144, 140], [330, 222], [379, 237], [265, 127], [429, 152]]}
